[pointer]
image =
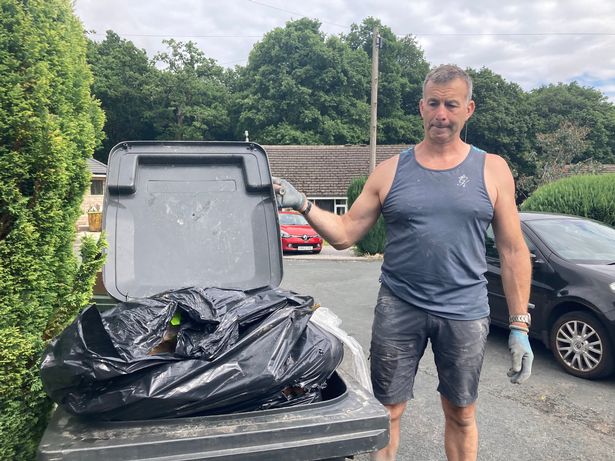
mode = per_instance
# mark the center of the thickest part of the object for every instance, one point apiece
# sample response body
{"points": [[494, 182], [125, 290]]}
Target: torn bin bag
{"points": [[230, 352]]}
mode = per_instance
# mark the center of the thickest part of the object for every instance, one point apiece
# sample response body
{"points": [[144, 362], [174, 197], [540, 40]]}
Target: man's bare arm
{"points": [[514, 255], [344, 231]]}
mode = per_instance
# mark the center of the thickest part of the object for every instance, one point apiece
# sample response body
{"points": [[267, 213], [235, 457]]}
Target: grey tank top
{"points": [[436, 221]]}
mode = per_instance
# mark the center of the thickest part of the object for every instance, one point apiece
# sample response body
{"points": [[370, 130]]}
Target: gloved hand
{"points": [[287, 196], [522, 357]]}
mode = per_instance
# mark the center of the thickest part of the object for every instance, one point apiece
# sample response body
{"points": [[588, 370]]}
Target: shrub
{"points": [[49, 126], [591, 196], [374, 240]]}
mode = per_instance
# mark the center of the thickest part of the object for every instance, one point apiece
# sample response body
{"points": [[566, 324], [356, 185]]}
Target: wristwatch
{"points": [[525, 318]]}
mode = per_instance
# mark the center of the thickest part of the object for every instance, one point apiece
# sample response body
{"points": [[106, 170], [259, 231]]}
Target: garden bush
{"points": [[49, 126], [591, 196]]}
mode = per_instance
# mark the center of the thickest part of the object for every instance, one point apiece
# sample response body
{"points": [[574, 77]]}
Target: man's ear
{"points": [[421, 103], [471, 107]]}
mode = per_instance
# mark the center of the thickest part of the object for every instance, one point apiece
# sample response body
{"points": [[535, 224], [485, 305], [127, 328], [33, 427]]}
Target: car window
{"points": [[492, 250], [290, 219], [578, 240], [530, 245]]}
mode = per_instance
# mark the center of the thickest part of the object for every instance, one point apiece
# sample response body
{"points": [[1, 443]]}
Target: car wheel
{"points": [[581, 345]]}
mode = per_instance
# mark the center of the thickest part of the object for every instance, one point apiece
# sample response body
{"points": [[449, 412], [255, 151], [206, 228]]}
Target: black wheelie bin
{"points": [[180, 214]]}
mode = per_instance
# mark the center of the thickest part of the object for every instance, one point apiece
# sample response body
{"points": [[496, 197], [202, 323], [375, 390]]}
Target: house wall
{"points": [[92, 200]]}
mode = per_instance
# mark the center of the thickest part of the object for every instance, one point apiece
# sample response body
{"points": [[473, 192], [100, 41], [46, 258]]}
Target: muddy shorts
{"points": [[399, 338]]}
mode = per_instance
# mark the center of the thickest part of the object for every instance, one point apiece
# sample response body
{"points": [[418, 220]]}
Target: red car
{"points": [[297, 235]]}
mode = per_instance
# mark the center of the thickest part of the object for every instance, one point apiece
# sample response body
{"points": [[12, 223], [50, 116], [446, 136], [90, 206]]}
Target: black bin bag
{"points": [[187, 352]]}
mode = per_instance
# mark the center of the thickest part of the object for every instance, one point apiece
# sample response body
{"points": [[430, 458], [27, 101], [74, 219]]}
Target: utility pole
{"points": [[373, 125]]}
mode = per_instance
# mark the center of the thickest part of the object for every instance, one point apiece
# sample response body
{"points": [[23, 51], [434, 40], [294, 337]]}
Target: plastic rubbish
{"points": [[327, 320], [225, 352]]}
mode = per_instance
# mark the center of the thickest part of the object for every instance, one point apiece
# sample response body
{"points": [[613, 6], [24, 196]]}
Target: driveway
{"points": [[554, 416]]}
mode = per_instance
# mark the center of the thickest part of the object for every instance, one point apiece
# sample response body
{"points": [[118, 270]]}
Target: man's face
{"points": [[444, 109]]}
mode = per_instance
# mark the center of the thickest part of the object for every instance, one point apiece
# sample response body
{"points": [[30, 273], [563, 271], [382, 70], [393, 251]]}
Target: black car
{"points": [[573, 290]]}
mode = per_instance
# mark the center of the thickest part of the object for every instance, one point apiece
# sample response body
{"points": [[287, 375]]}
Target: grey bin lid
{"points": [[181, 214]]}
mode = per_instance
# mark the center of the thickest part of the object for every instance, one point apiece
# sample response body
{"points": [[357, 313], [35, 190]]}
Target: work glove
{"points": [[522, 357], [287, 196]]}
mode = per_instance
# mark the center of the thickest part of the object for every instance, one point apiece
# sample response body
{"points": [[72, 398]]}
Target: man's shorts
{"points": [[399, 338]]}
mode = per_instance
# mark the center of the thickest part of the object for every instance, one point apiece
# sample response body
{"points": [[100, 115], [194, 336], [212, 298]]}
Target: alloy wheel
{"points": [[579, 345]]}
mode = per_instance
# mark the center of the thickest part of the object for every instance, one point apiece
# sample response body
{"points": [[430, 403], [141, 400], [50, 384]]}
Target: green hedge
{"points": [[374, 240], [49, 126], [592, 196]]}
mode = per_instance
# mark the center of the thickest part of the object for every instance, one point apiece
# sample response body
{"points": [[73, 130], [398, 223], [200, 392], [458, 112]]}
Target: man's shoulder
{"points": [[386, 168], [495, 161], [381, 179]]}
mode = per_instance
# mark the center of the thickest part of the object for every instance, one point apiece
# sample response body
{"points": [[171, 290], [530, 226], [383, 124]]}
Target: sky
{"points": [[528, 42]]}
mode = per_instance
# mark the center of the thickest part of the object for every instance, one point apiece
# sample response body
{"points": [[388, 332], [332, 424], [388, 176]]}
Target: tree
{"points": [[584, 107], [558, 151], [190, 99], [501, 123], [122, 73], [302, 88], [402, 69], [49, 126]]}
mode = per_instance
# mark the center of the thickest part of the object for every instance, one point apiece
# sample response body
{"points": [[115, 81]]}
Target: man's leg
{"points": [[459, 349], [399, 338], [460, 431], [389, 452]]}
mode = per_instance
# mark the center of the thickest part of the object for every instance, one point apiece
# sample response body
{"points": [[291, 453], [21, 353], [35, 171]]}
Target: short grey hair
{"points": [[446, 73]]}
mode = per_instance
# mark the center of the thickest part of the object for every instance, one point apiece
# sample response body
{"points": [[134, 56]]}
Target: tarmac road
{"points": [[554, 416]]}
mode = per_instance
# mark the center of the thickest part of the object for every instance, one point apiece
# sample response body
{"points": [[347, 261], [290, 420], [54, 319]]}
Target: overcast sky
{"points": [[529, 42]]}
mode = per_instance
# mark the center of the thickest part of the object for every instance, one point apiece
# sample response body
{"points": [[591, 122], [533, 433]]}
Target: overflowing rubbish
{"points": [[194, 351]]}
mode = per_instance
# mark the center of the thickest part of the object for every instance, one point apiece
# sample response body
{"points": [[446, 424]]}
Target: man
{"points": [[437, 199]]}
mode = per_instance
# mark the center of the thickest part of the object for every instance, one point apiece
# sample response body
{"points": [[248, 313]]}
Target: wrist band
{"points": [[517, 327], [308, 207]]}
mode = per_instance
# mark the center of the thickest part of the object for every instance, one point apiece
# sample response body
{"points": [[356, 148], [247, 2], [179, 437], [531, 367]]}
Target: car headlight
{"points": [[284, 234], [612, 287]]}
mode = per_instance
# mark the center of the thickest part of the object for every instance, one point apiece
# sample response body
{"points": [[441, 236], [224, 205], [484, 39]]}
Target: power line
{"points": [[419, 34], [180, 36], [497, 34], [344, 26]]}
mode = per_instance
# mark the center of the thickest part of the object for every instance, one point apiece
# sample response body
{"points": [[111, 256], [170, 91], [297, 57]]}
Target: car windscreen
{"points": [[292, 220], [578, 240]]}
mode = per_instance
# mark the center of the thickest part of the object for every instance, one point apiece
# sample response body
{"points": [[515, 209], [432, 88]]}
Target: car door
{"points": [[541, 274], [497, 300]]}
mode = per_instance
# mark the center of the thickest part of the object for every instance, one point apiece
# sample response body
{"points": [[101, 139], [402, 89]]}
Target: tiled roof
{"points": [[324, 171], [97, 168]]}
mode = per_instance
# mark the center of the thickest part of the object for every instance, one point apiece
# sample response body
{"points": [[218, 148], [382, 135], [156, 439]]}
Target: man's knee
{"points": [[460, 416], [396, 410]]}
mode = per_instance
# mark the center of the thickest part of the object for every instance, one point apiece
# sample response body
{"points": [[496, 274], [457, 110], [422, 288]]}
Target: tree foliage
{"points": [[302, 88], [552, 105], [189, 96], [49, 126], [402, 69], [501, 123], [122, 73], [556, 161]]}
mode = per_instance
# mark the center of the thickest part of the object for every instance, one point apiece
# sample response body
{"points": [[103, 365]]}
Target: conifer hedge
{"points": [[592, 196], [374, 240], [49, 126]]}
